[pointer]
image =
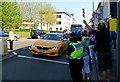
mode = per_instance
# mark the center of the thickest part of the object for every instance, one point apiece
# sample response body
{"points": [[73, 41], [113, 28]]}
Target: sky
{"points": [[73, 7], [76, 9]]}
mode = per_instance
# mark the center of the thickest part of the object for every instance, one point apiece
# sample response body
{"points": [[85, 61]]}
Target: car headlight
{"points": [[33, 46], [54, 48]]}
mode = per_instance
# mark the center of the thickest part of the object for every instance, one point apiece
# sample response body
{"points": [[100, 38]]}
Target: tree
{"points": [[40, 12], [10, 15], [28, 11], [51, 17], [46, 14]]}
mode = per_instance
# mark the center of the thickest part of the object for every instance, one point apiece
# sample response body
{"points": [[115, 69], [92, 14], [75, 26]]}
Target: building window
{"points": [[60, 28], [58, 16], [56, 29], [50, 29], [59, 22]]}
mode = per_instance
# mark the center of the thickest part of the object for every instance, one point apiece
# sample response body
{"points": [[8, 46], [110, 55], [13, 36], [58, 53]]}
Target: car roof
{"points": [[56, 33]]}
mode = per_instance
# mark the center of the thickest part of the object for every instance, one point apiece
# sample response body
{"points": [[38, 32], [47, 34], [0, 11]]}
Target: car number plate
{"points": [[42, 51]]}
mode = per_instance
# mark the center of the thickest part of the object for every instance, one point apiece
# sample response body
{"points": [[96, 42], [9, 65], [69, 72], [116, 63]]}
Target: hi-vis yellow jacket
{"points": [[11, 36], [77, 54]]}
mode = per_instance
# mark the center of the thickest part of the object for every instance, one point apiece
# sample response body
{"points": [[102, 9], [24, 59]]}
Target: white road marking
{"points": [[29, 48], [14, 53], [41, 59]]}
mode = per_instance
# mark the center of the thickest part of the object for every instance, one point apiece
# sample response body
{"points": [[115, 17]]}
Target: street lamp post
{"points": [[93, 5], [92, 13]]}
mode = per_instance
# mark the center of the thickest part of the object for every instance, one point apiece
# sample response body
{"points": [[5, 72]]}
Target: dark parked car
{"points": [[56, 32], [37, 33], [6, 34]]}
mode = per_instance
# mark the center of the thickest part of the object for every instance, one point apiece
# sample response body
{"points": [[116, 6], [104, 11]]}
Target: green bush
{"points": [[22, 30], [26, 32], [46, 31], [23, 34]]}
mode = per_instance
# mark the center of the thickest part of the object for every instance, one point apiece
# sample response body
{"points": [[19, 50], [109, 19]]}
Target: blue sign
{"points": [[78, 32], [101, 12]]}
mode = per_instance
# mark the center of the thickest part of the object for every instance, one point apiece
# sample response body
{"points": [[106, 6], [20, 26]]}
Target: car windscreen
{"points": [[53, 37]]}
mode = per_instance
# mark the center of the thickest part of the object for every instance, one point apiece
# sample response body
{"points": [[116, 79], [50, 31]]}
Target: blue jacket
{"points": [[113, 35]]}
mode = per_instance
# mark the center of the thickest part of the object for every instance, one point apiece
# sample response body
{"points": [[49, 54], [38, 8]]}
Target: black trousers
{"points": [[114, 43], [76, 69], [11, 44]]}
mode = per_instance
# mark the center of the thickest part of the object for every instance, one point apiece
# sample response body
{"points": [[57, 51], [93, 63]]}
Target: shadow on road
{"points": [[31, 38]]}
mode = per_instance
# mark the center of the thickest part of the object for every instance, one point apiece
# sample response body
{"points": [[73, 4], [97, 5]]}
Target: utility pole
{"points": [[92, 13], [93, 5]]}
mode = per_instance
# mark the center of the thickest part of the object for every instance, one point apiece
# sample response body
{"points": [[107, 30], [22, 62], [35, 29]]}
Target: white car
{"points": [[17, 36]]}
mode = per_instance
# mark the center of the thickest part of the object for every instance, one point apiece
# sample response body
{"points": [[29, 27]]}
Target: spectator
{"points": [[102, 47], [86, 38], [91, 47], [86, 61], [86, 66], [113, 36]]}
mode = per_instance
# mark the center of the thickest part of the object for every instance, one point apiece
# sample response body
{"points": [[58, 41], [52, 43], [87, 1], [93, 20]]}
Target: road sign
{"points": [[113, 24], [101, 12]]}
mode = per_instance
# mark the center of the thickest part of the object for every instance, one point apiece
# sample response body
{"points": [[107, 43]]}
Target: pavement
{"points": [[96, 75], [20, 43], [115, 64]]}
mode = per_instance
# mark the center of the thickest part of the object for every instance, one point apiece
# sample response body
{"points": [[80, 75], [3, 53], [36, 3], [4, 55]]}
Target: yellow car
{"points": [[52, 44]]}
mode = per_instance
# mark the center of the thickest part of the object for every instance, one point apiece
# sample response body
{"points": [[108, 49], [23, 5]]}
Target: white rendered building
{"points": [[64, 21]]}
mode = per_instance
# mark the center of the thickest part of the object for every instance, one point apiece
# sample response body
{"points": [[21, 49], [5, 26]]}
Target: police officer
{"points": [[74, 55], [11, 38]]}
